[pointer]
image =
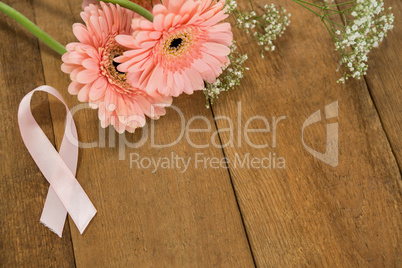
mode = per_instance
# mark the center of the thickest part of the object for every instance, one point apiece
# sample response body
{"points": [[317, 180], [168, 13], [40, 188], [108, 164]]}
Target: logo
{"points": [[330, 156]]}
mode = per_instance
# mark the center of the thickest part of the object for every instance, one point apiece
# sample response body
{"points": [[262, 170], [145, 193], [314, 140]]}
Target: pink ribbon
{"points": [[65, 193]]}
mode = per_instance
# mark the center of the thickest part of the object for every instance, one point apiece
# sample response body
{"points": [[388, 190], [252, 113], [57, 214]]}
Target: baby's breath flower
{"points": [[230, 5], [230, 78], [364, 30], [266, 28], [365, 25]]}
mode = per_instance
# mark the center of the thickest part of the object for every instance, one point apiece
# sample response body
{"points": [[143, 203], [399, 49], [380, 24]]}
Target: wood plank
{"points": [[310, 213], [384, 80], [166, 218], [23, 240]]}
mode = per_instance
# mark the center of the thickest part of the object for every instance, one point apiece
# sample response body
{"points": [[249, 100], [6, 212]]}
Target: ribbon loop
{"points": [[65, 193]]}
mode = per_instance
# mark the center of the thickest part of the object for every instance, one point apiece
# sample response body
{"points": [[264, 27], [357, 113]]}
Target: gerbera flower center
{"points": [[109, 67], [175, 43], [115, 64], [178, 49]]}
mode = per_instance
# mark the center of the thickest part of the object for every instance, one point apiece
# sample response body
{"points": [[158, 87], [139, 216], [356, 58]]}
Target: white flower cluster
{"points": [[366, 25], [230, 5], [265, 28], [231, 76]]}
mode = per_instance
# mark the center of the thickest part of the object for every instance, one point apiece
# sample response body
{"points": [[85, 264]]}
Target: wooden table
{"points": [[307, 213]]}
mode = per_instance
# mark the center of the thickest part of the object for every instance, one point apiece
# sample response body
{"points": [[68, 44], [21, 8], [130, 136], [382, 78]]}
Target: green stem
{"points": [[132, 6], [326, 26], [341, 4], [251, 4], [323, 16], [30, 26], [309, 9], [317, 6]]}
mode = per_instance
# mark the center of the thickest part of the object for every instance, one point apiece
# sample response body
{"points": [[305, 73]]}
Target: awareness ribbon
{"points": [[65, 193]]}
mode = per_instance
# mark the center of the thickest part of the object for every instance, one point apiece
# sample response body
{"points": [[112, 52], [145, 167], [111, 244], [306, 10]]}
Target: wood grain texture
{"points": [[384, 80], [305, 214], [23, 240], [166, 218], [309, 213]]}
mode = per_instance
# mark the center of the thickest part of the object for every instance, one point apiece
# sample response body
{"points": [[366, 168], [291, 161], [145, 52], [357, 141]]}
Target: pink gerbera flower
{"points": [[184, 46], [147, 4], [95, 79]]}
